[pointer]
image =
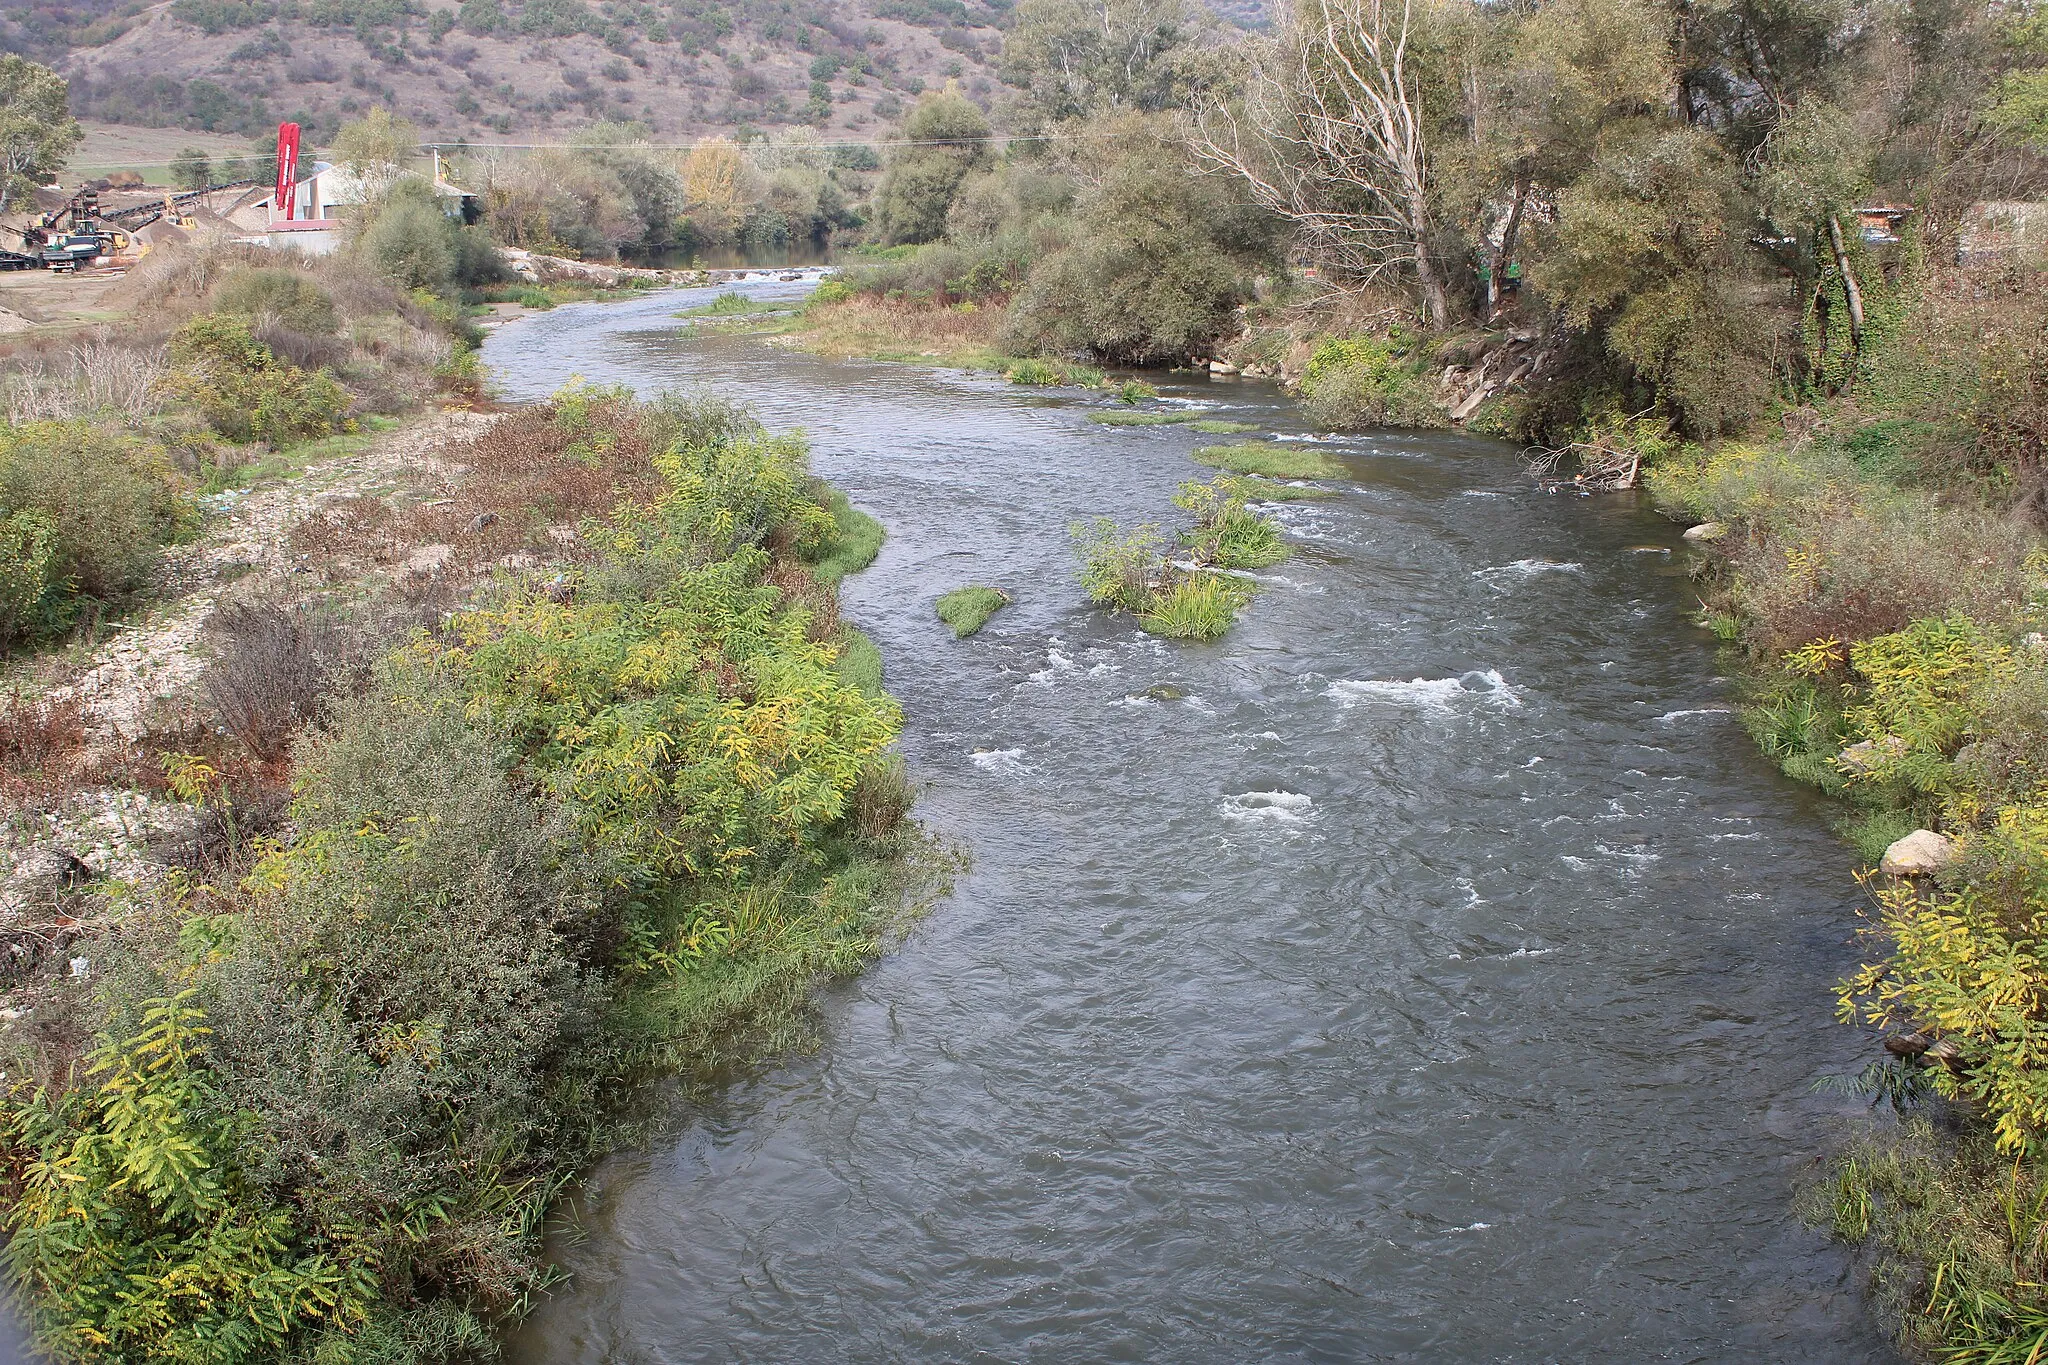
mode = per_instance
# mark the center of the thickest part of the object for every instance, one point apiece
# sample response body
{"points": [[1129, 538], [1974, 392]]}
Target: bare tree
{"points": [[1329, 135]]}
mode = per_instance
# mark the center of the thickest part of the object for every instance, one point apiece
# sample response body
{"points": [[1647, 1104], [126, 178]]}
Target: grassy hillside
{"points": [[507, 69]]}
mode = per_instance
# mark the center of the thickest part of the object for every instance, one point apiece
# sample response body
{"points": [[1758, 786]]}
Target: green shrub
{"points": [[406, 1007], [967, 609], [945, 138], [1198, 607], [411, 241], [1157, 265], [1226, 534], [138, 1231], [829, 292], [243, 389], [290, 296], [1761, 485], [759, 738], [89, 508], [1119, 568], [560, 845], [1368, 382], [1271, 461], [941, 274], [34, 596]]}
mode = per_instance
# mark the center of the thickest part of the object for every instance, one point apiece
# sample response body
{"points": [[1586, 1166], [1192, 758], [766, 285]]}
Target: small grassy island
{"points": [[967, 609], [1197, 593]]}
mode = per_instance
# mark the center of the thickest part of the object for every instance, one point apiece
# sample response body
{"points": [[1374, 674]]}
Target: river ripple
{"points": [[1440, 976]]}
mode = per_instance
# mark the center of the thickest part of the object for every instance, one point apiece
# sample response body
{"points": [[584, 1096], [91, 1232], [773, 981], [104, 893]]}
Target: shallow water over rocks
{"points": [[1429, 970]]}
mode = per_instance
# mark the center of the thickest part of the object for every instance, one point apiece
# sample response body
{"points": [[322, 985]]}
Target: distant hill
{"points": [[509, 70]]}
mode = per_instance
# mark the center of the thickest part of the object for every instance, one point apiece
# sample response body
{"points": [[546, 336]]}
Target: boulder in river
{"points": [[1705, 531], [1918, 854]]}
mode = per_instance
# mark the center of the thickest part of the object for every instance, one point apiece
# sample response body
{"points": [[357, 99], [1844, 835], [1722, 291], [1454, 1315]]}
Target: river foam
{"points": [[1430, 694], [1276, 808], [1002, 762], [1524, 569]]}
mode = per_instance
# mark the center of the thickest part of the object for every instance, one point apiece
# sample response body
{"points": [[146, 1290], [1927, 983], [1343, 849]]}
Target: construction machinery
{"points": [[81, 232]]}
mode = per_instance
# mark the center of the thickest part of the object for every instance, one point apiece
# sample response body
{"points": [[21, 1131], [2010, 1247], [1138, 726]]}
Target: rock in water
{"points": [[1706, 530], [1918, 854]]}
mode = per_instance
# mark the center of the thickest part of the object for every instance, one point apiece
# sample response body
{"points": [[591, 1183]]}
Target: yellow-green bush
{"points": [[1970, 965], [137, 1233], [1921, 688], [244, 389], [1369, 382], [562, 845], [86, 510], [33, 597]]}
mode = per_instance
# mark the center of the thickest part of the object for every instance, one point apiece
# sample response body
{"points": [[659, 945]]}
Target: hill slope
{"points": [[493, 70]]}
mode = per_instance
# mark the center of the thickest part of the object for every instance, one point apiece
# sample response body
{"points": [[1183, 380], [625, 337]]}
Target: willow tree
{"points": [[1071, 58], [944, 139], [1330, 134], [37, 131]]}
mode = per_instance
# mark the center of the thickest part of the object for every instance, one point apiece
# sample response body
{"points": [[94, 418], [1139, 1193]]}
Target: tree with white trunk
{"points": [[1329, 133]]}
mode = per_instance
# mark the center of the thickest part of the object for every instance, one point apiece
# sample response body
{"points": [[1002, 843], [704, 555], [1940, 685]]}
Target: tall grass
{"points": [[1272, 490], [733, 304], [1055, 374], [94, 376], [1965, 1233], [1115, 418], [1198, 607]]}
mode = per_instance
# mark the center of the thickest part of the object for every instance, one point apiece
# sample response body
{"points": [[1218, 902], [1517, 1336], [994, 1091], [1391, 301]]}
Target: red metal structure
{"points": [[287, 170]]}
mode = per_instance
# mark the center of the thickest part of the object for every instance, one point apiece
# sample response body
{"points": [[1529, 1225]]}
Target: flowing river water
{"points": [[1428, 970]]}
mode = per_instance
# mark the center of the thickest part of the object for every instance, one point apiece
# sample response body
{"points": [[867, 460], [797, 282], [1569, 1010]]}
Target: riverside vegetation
{"points": [[320, 1090], [1627, 233], [967, 609], [545, 770]]}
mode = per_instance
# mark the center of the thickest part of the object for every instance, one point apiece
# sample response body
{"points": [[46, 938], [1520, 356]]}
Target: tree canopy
{"points": [[37, 132]]}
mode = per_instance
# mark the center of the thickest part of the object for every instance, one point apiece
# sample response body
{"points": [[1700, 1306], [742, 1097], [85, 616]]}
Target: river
{"points": [[1429, 970]]}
